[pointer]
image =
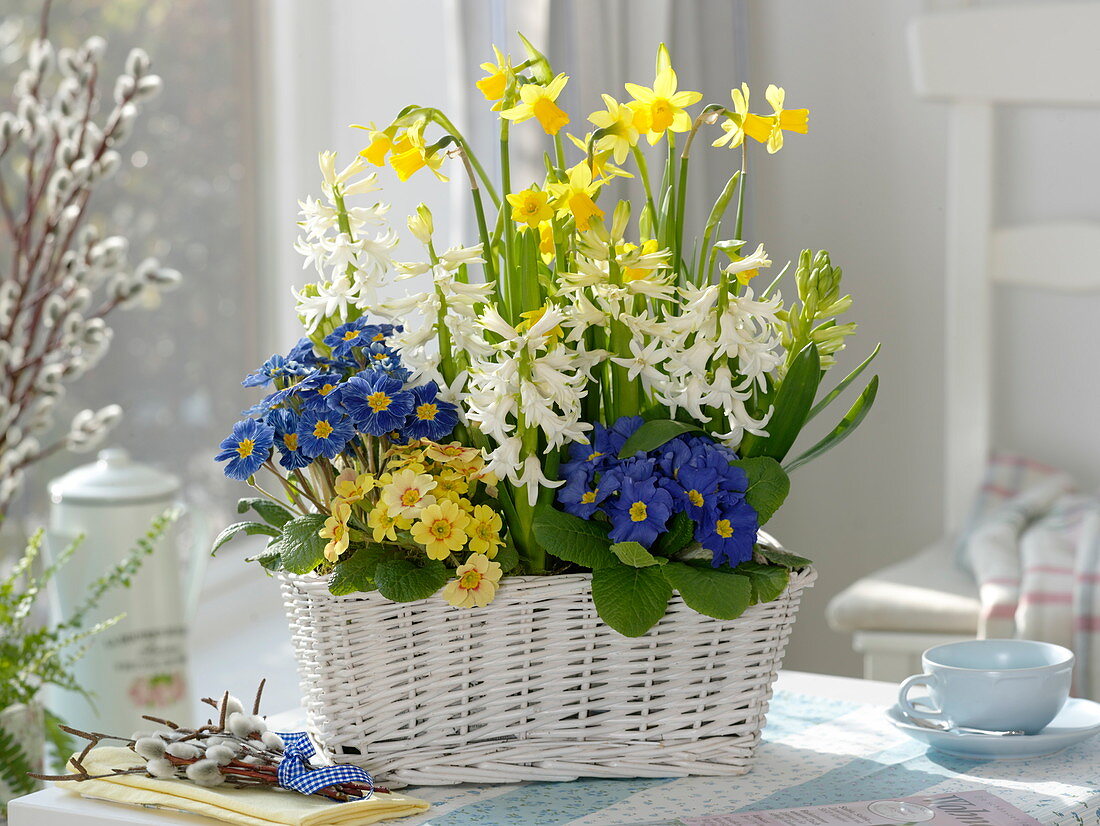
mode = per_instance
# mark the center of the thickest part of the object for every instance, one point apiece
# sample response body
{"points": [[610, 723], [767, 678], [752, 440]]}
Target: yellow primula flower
{"points": [[335, 530], [661, 108], [538, 102], [576, 196], [530, 207], [743, 122], [784, 120], [454, 452], [408, 492], [493, 85], [475, 583], [410, 155], [441, 529], [484, 531], [383, 525], [352, 488], [451, 484], [617, 122]]}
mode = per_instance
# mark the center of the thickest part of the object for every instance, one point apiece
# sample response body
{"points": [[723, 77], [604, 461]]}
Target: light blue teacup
{"points": [[998, 685]]}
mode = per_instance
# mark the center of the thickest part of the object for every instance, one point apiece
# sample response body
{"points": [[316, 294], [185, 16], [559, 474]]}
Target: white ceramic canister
{"points": [[139, 666]]}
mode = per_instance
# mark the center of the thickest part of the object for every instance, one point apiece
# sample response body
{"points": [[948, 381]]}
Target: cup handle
{"points": [[927, 680]]}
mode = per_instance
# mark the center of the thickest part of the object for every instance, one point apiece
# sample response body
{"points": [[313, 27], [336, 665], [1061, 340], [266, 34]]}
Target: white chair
{"points": [[975, 60]]}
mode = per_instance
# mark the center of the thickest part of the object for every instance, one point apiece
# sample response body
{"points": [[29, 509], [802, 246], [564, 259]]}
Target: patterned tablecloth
{"points": [[815, 751]]}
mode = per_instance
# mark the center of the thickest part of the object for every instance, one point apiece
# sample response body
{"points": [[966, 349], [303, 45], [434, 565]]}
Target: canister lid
{"points": [[114, 478]]}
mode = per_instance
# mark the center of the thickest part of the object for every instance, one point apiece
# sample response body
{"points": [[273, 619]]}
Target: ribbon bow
{"points": [[295, 772]]}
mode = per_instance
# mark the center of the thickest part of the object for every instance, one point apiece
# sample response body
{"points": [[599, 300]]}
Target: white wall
{"points": [[867, 183]]}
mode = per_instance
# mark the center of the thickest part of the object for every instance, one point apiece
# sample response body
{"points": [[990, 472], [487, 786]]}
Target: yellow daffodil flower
{"points": [[635, 273], [475, 583], [601, 159], [530, 207], [576, 196], [493, 85], [784, 120], [441, 529], [617, 122], [410, 155], [539, 102], [546, 241], [661, 108], [484, 531], [532, 317], [381, 142], [335, 530], [743, 122]]}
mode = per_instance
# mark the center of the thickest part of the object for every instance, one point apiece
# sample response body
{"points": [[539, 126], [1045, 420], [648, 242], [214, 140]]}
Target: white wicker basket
{"points": [[533, 687]]}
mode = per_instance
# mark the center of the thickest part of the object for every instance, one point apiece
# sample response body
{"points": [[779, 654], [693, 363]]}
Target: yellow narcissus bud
{"points": [[420, 224]]}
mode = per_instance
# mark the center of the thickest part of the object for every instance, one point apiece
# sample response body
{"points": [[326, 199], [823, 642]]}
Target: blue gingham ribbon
{"points": [[296, 773]]}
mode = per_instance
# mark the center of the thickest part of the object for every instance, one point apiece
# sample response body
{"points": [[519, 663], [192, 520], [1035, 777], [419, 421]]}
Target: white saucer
{"points": [[1077, 721]]}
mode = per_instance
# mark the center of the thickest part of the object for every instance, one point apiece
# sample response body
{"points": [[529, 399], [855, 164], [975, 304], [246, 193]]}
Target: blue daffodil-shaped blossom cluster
{"points": [[322, 405], [639, 495]]}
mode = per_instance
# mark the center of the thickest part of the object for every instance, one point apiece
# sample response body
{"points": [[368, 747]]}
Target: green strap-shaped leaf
{"points": [[840, 388], [792, 404], [856, 414], [237, 528], [651, 435]]}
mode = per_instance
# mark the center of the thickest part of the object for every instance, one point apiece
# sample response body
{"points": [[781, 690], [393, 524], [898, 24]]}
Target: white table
{"points": [[55, 807]]}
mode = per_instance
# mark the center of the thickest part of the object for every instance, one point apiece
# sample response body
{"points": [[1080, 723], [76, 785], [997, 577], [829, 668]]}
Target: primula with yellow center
{"points": [[408, 492], [616, 121], [661, 108], [494, 84], [484, 531], [475, 583], [352, 488], [383, 526], [576, 196], [335, 530], [530, 207], [539, 102], [743, 122], [639, 512], [784, 120], [441, 529], [245, 448]]}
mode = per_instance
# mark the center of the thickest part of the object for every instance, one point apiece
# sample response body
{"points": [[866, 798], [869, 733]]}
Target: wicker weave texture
{"points": [[533, 687]]}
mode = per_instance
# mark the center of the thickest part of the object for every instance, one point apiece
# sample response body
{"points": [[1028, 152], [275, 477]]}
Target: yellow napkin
{"points": [[246, 807]]}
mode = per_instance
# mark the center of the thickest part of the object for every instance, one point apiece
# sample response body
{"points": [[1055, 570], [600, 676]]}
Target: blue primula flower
{"points": [[318, 389], [377, 403], [431, 417], [356, 333], [246, 449], [275, 367], [581, 495], [729, 533], [323, 432], [285, 422], [698, 489], [303, 353], [641, 511]]}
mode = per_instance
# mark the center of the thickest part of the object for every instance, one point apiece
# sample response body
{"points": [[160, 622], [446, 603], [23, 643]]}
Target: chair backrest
{"points": [[974, 60]]}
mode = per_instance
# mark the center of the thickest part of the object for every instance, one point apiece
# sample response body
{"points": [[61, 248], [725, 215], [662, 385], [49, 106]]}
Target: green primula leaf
{"points": [[580, 541], [507, 557], [356, 572], [403, 581], [791, 406], [681, 530], [271, 512], [247, 528], [768, 581], [270, 557], [634, 555], [652, 434], [630, 600], [856, 414], [783, 558], [301, 548], [768, 485], [716, 592]]}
